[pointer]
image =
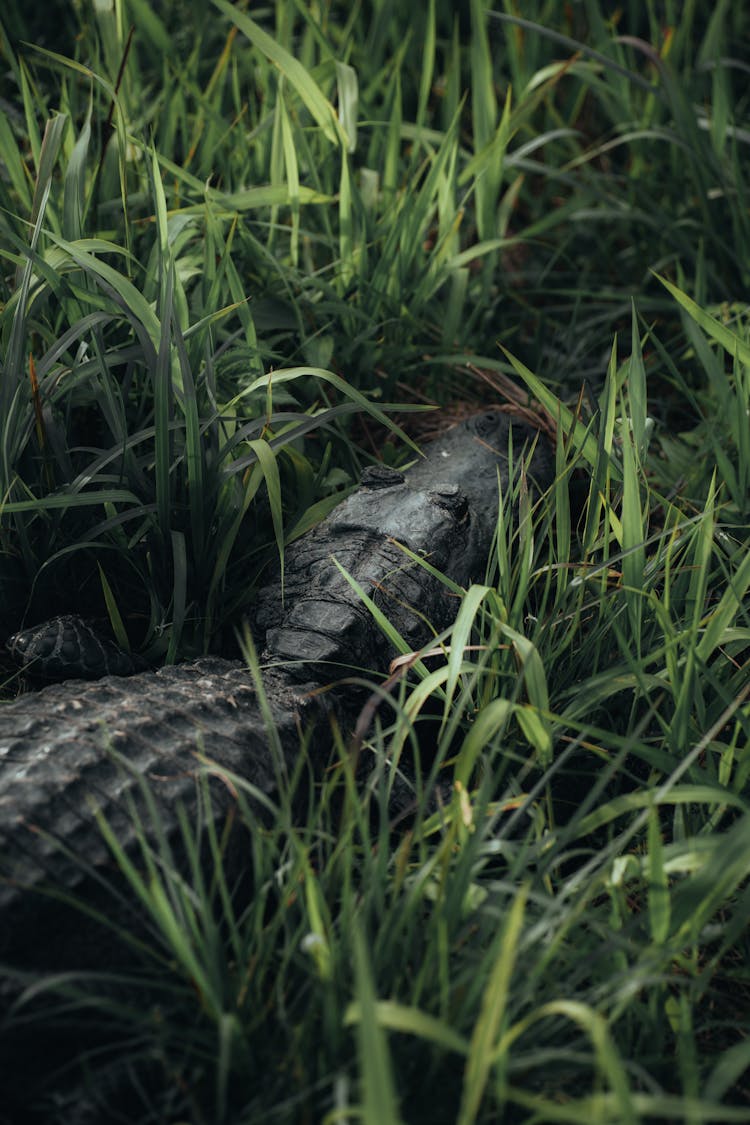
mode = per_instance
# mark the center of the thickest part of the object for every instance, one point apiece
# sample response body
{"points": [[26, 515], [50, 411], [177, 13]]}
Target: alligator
{"points": [[83, 743]]}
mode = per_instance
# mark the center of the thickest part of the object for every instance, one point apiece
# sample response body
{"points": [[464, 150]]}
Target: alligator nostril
{"points": [[486, 423]]}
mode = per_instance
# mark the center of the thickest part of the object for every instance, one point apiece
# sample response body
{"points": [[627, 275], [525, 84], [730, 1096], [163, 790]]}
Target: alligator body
{"points": [[69, 647], [56, 745], [76, 748]]}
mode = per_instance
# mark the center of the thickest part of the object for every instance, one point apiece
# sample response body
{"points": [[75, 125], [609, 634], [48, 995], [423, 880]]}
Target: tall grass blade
{"points": [[379, 1101], [299, 78], [487, 1030]]}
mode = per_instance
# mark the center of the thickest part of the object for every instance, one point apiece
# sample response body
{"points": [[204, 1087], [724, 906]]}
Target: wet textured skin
{"points": [[68, 647], [83, 743], [76, 747], [56, 759]]}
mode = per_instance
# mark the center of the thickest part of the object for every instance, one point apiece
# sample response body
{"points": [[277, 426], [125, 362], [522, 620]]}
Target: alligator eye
{"points": [[380, 476], [17, 643], [451, 498]]}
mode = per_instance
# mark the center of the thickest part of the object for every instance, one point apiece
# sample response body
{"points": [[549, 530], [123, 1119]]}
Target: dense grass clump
{"points": [[241, 247]]}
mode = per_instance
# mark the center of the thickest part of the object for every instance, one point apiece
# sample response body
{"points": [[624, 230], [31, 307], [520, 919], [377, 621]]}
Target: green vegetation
{"points": [[238, 248]]}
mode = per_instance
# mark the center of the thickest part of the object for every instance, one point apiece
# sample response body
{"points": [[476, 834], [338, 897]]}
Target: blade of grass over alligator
{"points": [[59, 746]]}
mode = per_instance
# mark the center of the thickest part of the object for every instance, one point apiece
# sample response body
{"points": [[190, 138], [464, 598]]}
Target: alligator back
{"points": [[58, 746], [72, 749]]}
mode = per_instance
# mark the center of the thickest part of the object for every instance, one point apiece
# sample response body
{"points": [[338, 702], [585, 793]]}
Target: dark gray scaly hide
{"points": [[54, 759]]}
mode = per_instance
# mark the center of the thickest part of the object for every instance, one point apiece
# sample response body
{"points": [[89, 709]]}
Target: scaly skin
{"points": [[52, 651], [79, 745], [54, 759]]}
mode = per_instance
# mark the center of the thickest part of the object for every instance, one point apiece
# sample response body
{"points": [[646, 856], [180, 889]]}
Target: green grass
{"points": [[237, 251]]}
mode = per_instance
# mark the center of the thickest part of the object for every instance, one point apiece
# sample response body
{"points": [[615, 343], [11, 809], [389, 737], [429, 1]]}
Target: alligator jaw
{"points": [[54, 759]]}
